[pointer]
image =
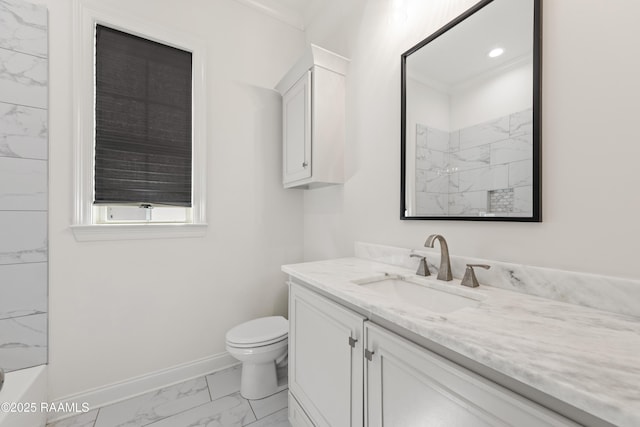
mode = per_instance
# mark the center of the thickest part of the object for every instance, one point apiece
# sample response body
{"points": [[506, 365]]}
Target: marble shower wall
{"points": [[23, 184], [485, 168], [432, 173]]}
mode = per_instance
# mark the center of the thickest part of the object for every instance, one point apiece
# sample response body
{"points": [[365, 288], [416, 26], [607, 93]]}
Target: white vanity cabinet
{"points": [[378, 378], [325, 361], [313, 120], [407, 385]]}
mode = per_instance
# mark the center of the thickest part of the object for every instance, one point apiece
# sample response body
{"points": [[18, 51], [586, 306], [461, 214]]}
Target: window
{"points": [[143, 124], [139, 105]]}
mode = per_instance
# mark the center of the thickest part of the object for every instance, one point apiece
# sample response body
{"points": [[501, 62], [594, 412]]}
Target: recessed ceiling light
{"points": [[494, 53]]}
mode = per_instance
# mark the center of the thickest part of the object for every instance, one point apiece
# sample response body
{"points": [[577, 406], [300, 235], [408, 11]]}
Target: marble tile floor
{"points": [[210, 401]]}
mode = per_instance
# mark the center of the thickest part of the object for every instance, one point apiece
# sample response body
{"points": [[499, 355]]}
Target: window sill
{"points": [[96, 232]]}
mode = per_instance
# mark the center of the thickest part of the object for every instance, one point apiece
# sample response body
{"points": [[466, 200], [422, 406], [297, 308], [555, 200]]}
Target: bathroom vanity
{"points": [[365, 352]]}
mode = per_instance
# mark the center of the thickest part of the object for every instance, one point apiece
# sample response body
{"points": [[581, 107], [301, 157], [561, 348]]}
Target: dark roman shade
{"points": [[143, 121]]}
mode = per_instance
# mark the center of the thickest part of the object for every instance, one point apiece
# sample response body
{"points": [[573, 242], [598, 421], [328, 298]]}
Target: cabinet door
{"points": [[297, 417], [407, 385], [325, 359], [296, 128]]}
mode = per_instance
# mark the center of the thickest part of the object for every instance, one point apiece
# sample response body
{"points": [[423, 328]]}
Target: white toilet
{"points": [[260, 345]]}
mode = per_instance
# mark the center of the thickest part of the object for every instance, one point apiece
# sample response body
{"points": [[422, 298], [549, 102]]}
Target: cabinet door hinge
{"points": [[352, 342], [368, 354]]}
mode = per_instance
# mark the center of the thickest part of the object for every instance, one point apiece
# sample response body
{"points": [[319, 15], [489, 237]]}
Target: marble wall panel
{"points": [[454, 141], [521, 123], [437, 140], [421, 136], [470, 203], [23, 184], [437, 182], [431, 160], [23, 289], [454, 182], [520, 173], [471, 158], [23, 27], [23, 79], [24, 342], [523, 199], [489, 178], [23, 131], [421, 180], [24, 237], [512, 150], [485, 133], [431, 204]]}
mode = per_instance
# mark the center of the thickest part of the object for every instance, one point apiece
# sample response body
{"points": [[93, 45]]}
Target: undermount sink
{"points": [[424, 293]]}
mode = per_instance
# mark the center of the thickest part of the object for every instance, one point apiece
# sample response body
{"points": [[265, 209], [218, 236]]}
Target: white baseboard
{"points": [[123, 390]]}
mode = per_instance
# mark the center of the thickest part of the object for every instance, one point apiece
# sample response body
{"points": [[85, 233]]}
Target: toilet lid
{"points": [[258, 331]]}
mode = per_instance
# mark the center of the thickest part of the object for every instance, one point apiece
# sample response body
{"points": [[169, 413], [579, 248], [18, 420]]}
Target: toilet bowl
{"points": [[260, 345]]}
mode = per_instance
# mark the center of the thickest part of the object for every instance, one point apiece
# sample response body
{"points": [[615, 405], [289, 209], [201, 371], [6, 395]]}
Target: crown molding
{"points": [[277, 11]]}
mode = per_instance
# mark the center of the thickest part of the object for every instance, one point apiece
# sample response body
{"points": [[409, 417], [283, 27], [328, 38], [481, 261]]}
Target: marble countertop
{"points": [[585, 357]]}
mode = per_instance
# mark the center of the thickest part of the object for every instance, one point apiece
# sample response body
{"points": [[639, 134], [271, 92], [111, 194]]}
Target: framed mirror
{"points": [[470, 137]]}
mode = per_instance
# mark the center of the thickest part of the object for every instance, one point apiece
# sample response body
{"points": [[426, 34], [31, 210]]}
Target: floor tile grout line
{"points": [[277, 410], [96, 418], [93, 423], [185, 410], [224, 395], [252, 411], [206, 378], [259, 419]]}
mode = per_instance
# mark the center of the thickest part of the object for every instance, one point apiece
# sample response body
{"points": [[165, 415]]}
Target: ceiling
{"points": [[298, 13], [461, 53]]}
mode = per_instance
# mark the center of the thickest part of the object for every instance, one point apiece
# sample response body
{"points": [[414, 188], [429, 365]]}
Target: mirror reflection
{"points": [[470, 145]]}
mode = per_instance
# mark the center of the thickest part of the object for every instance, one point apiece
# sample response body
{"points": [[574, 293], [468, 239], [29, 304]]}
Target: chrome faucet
{"points": [[423, 268], [444, 272], [470, 278]]}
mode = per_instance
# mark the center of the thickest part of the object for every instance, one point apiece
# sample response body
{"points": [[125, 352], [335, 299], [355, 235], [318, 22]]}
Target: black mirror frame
{"points": [[537, 124]]}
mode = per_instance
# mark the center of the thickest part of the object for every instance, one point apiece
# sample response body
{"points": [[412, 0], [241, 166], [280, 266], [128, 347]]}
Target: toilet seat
{"points": [[254, 345], [258, 332]]}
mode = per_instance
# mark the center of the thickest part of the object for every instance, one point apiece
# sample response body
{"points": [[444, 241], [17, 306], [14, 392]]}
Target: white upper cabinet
{"points": [[296, 131], [313, 120]]}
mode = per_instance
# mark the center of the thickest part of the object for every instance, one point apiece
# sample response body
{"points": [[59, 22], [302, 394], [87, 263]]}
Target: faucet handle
{"points": [[423, 268], [469, 278]]}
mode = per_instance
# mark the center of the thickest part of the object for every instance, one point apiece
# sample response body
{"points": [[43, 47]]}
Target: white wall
{"points": [[480, 99], [123, 309], [493, 96], [428, 106], [589, 135]]}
